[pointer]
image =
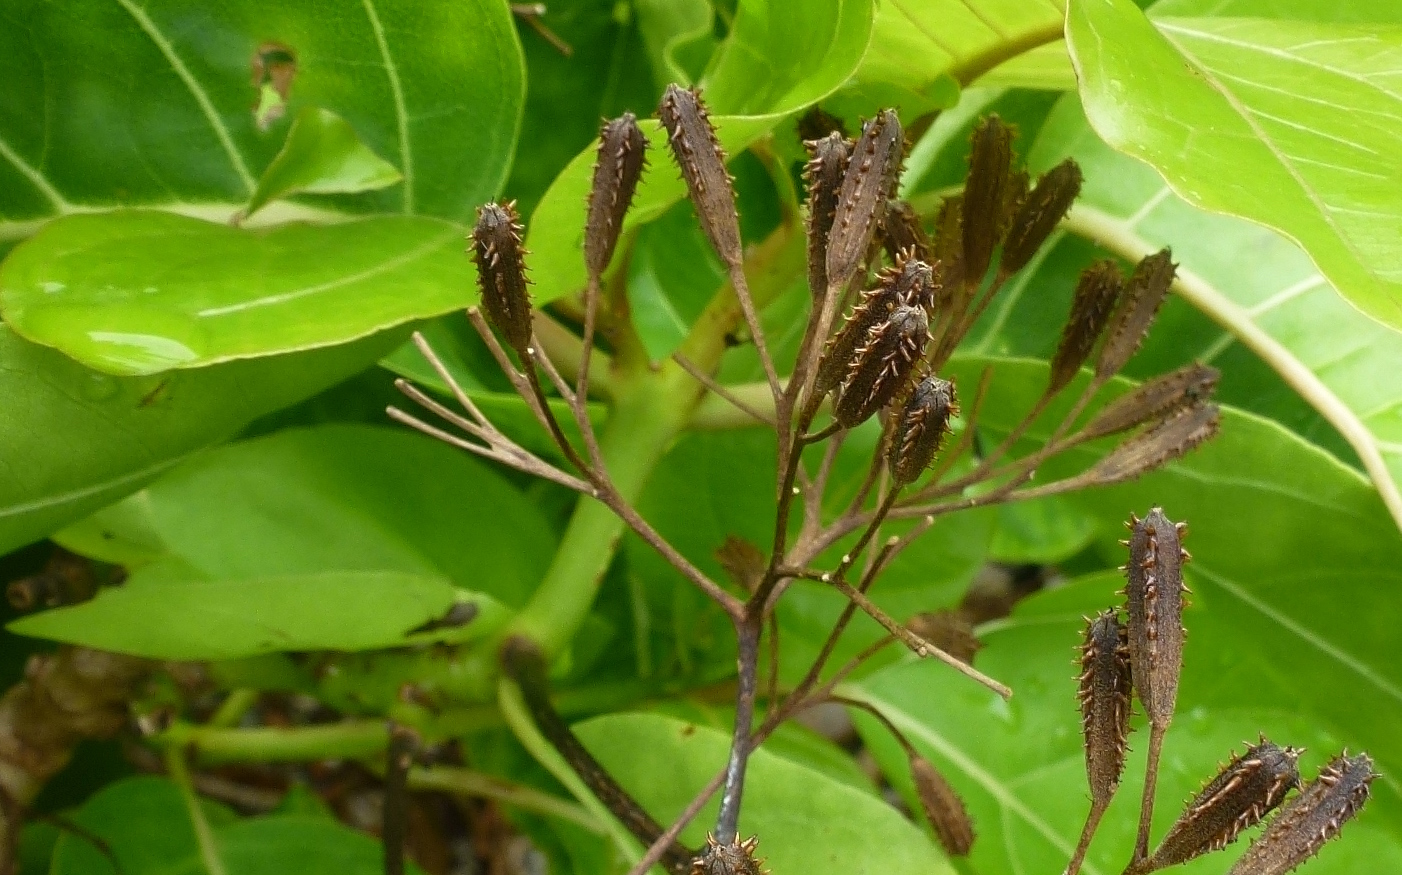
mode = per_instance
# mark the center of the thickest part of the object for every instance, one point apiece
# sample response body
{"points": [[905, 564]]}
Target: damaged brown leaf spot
{"points": [[274, 68], [743, 561]]}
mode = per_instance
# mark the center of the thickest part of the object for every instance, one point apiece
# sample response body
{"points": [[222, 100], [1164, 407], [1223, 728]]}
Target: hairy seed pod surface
{"points": [[943, 808], [1245, 791], [735, 857], [1168, 439], [882, 366], [986, 195], [617, 169], [872, 174], [1310, 819], [1154, 596], [1038, 213], [1157, 398], [826, 166], [875, 307], [1104, 690], [1138, 305], [702, 163], [918, 429], [902, 234], [1097, 289], [501, 273]]}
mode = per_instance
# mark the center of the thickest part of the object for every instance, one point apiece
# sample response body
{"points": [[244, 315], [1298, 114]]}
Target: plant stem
{"points": [[1151, 779], [747, 658], [1087, 833], [204, 836]]}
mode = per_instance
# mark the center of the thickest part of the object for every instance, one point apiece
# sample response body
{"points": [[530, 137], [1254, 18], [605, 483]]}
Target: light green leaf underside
{"points": [[1295, 125], [1259, 287], [139, 291]]}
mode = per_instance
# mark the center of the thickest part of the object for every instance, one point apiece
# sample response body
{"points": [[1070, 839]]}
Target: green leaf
{"points": [[322, 155], [834, 32], [160, 112], [171, 611], [136, 292], [1265, 296], [353, 498], [1291, 124], [75, 440], [804, 819], [1041, 532]]}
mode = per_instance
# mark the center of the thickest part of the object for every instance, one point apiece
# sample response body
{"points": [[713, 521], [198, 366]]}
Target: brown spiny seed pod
{"points": [[1144, 293], [1098, 288], [882, 366], [1104, 692], [1154, 597], [1168, 439], [986, 195], [1036, 216], [702, 163], [1310, 819], [1245, 791], [501, 273], [870, 180], [1156, 398], [943, 807], [918, 430], [902, 234], [947, 247], [735, 857], [875, 307], [826, 166], [617, 169]]}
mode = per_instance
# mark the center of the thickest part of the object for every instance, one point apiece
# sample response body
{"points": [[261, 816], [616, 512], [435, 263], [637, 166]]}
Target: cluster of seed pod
{"points": [[1140, 654]]}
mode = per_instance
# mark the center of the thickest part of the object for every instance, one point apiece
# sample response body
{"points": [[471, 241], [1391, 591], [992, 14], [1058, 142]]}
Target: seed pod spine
{"points": [[735, 857], [1239, 797], [824, 171], [1311, 819], [617, 169], [702, 163], [501, 273], [1154, 598], [870, 180], [943, 807], [918, 429], [985, 195], [1104, 690], [1038, 214], [1144, 294], [882, 366], [1157, 398], [1097, 289]]}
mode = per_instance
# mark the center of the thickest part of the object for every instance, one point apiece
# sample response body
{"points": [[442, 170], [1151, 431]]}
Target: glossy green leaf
{"points": [[171, 611], [322, 155], [352, 499], [834, 33], [804, 819], [1271, 306], [74, 440], [1292, 124], [675, 33], [136, 292], [160, 111]]}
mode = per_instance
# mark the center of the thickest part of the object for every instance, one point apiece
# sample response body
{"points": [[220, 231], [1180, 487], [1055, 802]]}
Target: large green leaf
{"points": [[806, 821], [1292, 124], [136, 292], [73, 440], [1269, 303], [834, 35], [158, 112]]}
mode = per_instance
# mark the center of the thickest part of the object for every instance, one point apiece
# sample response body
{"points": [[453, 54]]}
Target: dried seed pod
{"points": [[702, 163], [1244, 791], [986, 195], [902, 235], [882, 366], [875, 307], [501, 273], [1168, 439], [872, 174], [1154, 597], [617, 169], [1311, 818], [918, 430], [950, 631], [824, 171], [728, 858], [1098, 288], [1158, 398], [1104, 692], [1138, 305], [943, 807], [947, 247], [1038, 213]]}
